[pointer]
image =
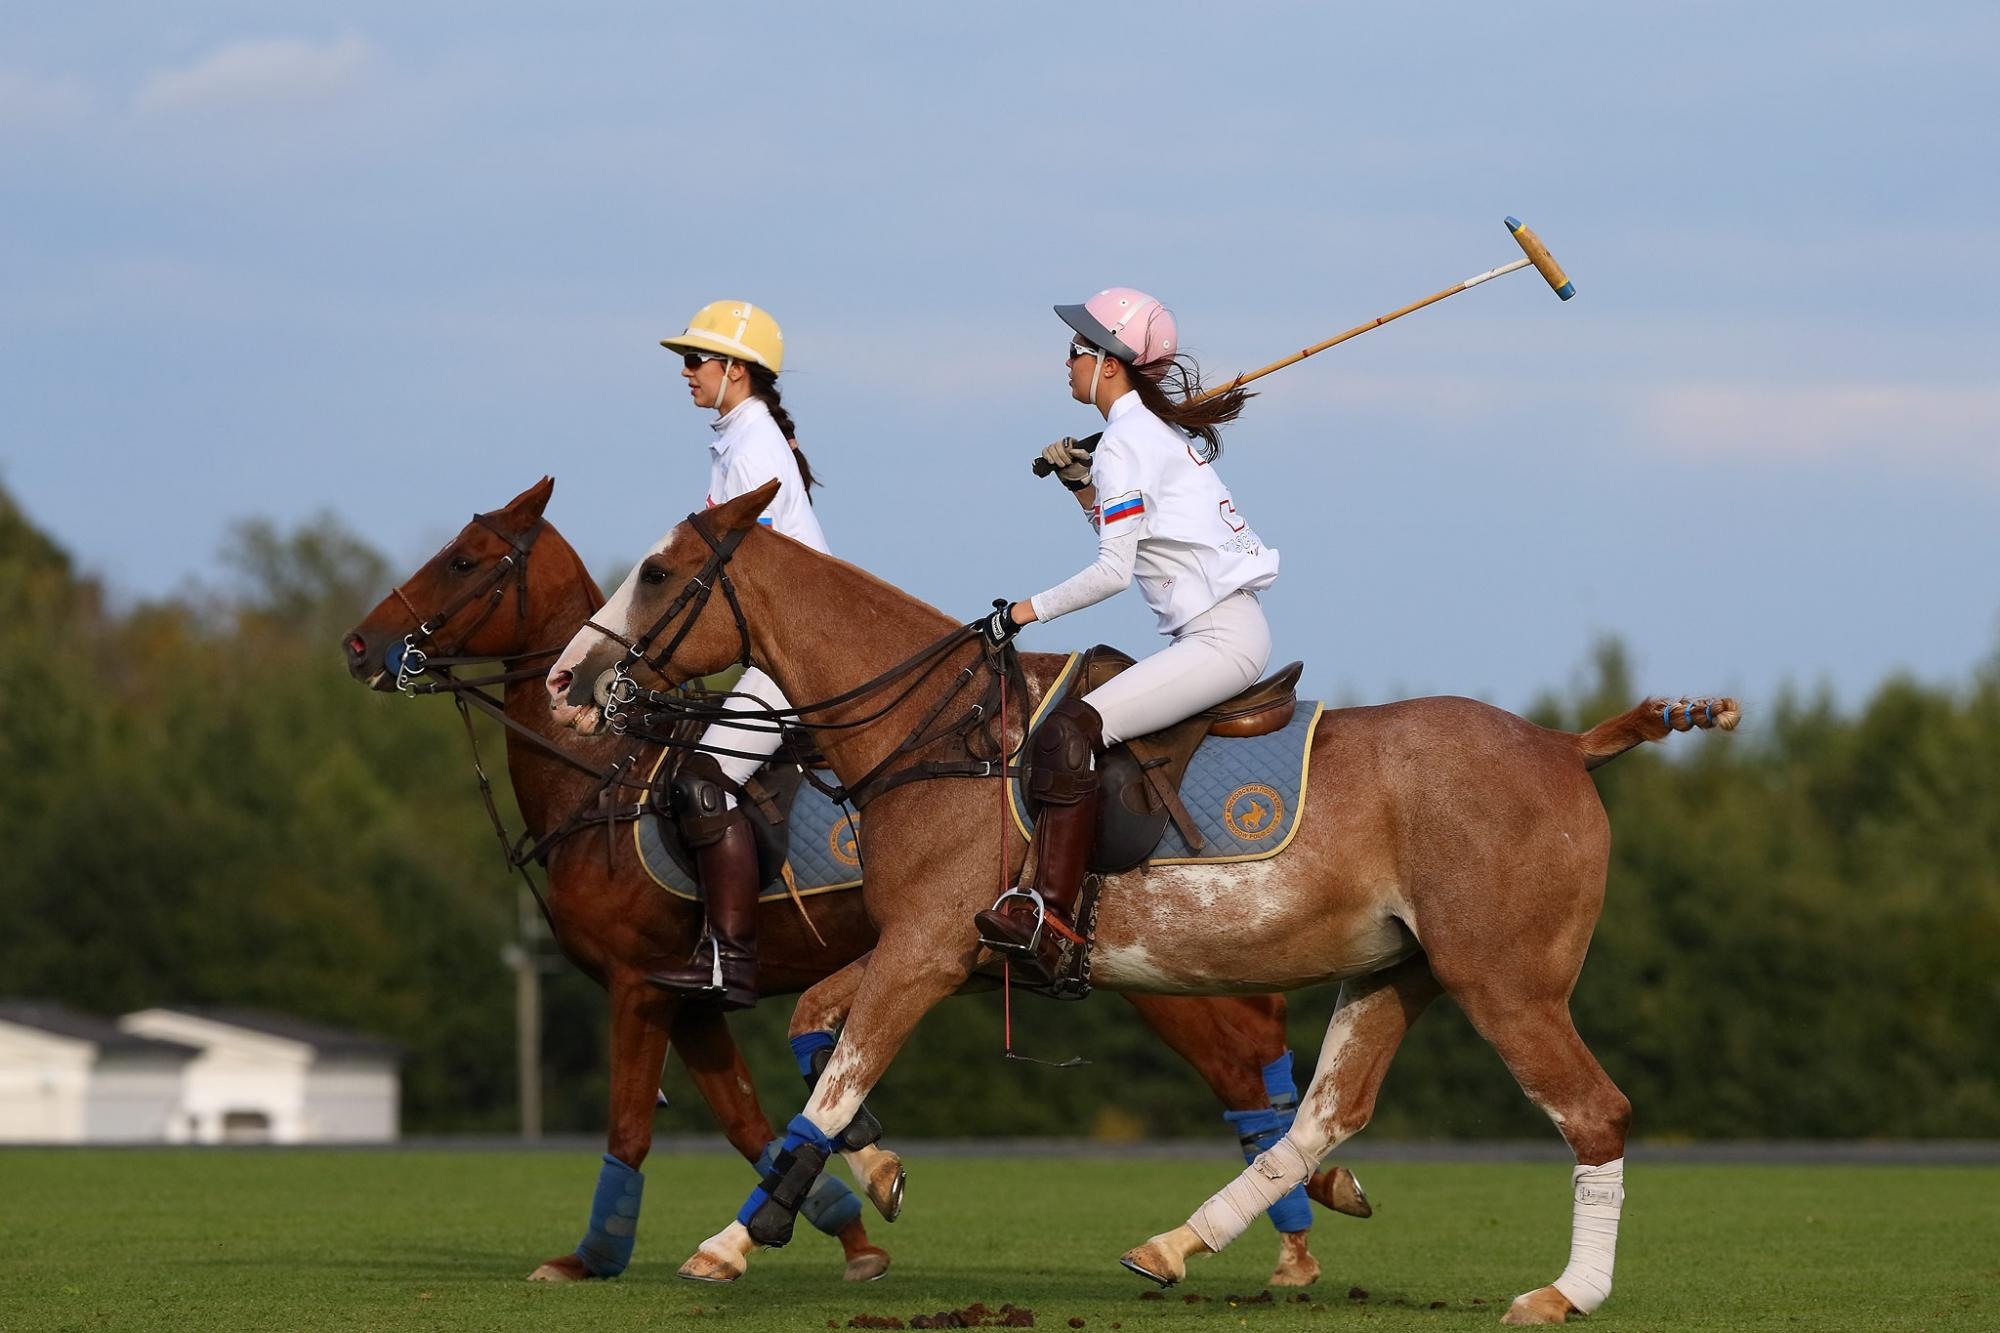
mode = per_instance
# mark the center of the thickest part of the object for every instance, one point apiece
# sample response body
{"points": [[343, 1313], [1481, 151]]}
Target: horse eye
{"points": [[653, 574], [462, 564]]}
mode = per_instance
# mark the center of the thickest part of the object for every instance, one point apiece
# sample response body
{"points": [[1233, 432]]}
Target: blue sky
{"points": [[397, 261]]}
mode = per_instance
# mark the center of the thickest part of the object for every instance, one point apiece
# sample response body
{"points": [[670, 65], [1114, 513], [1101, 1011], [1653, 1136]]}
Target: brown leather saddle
{"points": [[1141, 778]]}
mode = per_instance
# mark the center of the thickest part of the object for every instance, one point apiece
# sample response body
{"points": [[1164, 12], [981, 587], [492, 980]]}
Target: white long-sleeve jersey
{"points": [[1164, 517], [749, 450]]}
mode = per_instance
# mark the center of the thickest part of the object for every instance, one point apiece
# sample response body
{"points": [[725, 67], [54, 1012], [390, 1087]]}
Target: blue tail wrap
{"points": [[799, 1134], [805, 1047], [1259, 1130], [614, 1219], [829, 1205]]}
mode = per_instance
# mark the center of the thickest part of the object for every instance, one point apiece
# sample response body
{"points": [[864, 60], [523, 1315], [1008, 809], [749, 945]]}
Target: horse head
{"points": [[674, 618], [472, 599]]}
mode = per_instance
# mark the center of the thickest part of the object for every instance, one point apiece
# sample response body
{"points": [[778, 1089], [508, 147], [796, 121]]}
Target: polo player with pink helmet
{"points": [[1164, 519]]}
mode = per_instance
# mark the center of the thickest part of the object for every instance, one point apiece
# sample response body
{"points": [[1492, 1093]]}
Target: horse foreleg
{"points": [[715, 1064], [640, 1020], [1548, 1059], [896, 991], [816, 1021], [1367, 1026], [1237, 1044]]}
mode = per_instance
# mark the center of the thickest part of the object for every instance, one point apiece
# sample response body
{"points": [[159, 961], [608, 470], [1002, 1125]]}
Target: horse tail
{"points": [[1651, 720]]}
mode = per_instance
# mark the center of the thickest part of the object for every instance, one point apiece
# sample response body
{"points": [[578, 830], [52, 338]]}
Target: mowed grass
{"points": [[442, 1240]]}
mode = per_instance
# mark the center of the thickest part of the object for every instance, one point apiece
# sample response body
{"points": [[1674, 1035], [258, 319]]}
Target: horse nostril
{"points": [[559, 682], [356, 646]]}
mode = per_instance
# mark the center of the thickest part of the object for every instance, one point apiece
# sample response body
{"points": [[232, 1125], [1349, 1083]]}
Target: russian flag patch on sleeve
{"points": [[1129, 505]]}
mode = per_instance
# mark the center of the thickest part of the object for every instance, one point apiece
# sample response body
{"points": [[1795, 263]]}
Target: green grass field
{"points": [[442, 1240]]}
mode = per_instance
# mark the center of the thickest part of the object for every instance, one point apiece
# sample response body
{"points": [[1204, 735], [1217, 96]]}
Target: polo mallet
{"points": [[1533, 252]]}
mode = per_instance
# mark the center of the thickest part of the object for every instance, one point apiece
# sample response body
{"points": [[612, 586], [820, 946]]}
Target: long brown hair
{"points": [[764, 385], [1170, 388]]}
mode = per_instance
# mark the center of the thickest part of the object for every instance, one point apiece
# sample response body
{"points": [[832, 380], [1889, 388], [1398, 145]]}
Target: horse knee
{"points": [[1599, 1135]]}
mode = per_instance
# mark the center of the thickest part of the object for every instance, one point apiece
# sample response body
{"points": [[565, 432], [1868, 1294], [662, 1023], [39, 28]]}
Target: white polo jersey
{"points": [[1163, 517], [749, 450]]}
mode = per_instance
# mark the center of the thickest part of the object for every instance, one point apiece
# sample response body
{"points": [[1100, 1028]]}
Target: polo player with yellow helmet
{"points": [[731, 352]]}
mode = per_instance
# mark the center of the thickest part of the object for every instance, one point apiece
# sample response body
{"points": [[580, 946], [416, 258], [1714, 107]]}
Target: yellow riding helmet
{"points": [[734, 329]]}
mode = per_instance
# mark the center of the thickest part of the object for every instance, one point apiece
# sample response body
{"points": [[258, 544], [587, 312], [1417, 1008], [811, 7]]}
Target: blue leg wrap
{"points": [[804, 1048], [1258, 1130], [829, 1204], [614, 1219], [769, 1210]]}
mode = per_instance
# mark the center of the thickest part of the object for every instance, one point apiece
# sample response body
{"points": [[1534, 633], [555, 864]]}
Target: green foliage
{"points": [[1801, 935]]}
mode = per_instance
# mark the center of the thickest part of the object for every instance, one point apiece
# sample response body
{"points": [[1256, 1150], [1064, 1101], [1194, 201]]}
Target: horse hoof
{"points": [[885, 1187], [1296, 1265], [722, 1257], [706, 1267], [1338, 1189], [866, 1266], [568, 1268], [1543, 1306]]}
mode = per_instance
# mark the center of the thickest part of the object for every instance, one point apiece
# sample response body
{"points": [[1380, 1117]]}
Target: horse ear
{"points": [[528, 505], [742, 512]]}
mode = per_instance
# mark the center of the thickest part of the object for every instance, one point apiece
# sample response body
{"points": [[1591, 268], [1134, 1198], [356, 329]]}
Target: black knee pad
{"points": [[700, 803], [1062, 772]]}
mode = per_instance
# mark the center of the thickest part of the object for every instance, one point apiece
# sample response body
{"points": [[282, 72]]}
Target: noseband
{"points": [[409, 658], [623, 689]]}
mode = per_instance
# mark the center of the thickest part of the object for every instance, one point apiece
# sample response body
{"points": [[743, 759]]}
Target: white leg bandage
{"points": [[1245, 1199], [1593, 1239]]}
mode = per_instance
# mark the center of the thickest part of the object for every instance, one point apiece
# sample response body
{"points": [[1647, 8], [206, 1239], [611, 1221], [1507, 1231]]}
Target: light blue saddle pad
{"points": [[821, 854], [1244, 794]]}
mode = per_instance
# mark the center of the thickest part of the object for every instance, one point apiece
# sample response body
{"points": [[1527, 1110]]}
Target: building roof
{"points": [[323, 1039], [61, 1021]]}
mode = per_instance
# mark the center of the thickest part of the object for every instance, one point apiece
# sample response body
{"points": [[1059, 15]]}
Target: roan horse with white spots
{"points": [[1446, 847], [509, 590]]}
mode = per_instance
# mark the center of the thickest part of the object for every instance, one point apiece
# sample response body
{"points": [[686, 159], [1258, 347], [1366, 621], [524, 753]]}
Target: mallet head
{"points": [[1538, 254]]}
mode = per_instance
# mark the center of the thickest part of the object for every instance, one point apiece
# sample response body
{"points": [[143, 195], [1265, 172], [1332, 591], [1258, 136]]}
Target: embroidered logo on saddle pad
{"points": [[821, 851]]}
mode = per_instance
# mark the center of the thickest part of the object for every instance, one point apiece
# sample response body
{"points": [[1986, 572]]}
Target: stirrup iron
{"points": [[1027, 895]]}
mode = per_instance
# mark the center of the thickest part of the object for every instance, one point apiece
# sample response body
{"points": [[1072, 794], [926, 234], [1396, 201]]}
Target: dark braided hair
{"points": [[764, 385]]}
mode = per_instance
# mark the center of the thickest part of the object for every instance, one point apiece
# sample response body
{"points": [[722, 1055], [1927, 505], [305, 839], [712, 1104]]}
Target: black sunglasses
{"points": [[693, 360]]}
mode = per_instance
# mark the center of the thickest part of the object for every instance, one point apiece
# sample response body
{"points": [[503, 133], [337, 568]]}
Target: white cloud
{"points": [[37, 103], [1949, 426], [259, 72]]}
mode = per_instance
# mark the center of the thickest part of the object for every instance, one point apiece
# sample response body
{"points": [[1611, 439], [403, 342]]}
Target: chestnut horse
{"points": [[1445, 846], [509, 588]]}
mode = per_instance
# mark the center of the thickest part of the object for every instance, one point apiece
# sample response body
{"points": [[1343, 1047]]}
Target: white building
{"points": [[263, 1078], [66, 1077]]}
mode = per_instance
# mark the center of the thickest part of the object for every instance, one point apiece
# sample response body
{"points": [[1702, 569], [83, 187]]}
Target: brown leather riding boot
{"points": [[725, 963], [1064, 779], [1064, 834]]}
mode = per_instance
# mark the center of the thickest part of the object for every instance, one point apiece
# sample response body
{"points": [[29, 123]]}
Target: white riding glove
{"points": [[1070, 462]]}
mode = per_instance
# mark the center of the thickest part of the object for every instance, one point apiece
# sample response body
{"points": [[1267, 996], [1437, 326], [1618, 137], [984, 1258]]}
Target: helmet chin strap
{"points": [[722, 386], [1096, 377]]}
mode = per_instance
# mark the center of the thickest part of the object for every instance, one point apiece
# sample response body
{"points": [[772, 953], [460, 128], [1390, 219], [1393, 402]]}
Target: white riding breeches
{"points": [[760, 742], [1214, 656]]}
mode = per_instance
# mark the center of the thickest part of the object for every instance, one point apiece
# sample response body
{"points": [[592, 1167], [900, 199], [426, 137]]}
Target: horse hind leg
{"points": [[1368, 1025], [1539, 1042]]}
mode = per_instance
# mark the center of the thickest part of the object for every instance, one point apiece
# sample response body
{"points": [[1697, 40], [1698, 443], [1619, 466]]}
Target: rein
{"points": [[674, 708]]}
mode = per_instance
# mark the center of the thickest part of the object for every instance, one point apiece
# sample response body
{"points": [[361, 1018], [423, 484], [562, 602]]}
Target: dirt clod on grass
{"points": [[1357, 1293], [874, 1321], [1261, 1298], [1150, 1295]]}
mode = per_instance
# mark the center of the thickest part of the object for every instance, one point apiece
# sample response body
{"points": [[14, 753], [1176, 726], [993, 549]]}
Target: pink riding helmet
{"points": [[1127, 323]]}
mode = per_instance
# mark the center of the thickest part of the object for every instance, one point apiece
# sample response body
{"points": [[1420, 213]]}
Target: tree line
{"points": [[1801, 935]]}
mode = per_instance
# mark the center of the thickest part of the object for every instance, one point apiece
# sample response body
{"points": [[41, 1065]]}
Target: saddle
{"points": [[1141, 778]]}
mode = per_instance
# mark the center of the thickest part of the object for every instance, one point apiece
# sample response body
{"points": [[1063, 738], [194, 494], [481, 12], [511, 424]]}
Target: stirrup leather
{"points": [[1018, 950]]}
